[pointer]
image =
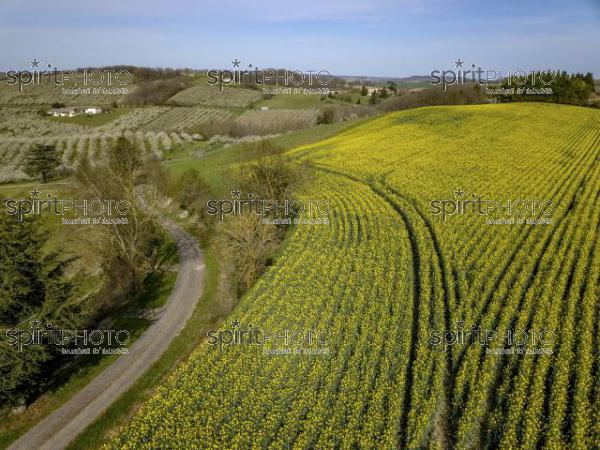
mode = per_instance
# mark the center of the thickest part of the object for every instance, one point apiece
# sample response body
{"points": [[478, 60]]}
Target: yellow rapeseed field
{"points": [[457, 286]]}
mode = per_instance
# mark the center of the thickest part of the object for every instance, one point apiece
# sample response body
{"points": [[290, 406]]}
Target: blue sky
{"points": [[350, 37]]}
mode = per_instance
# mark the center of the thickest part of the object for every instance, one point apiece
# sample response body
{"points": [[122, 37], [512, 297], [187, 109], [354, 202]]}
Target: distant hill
{"points": [[407, 83]]}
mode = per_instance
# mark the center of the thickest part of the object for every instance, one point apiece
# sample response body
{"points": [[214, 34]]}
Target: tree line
{"points": [[43, 286], [553, 87]]}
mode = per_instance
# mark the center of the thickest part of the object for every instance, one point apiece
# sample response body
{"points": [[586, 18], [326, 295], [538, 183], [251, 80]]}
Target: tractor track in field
{"points": [[417, 298], [446, 275], [449, 281]]}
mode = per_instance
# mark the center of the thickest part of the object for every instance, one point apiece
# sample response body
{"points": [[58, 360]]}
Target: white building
{"points": [[93, 110], [62, 112]]}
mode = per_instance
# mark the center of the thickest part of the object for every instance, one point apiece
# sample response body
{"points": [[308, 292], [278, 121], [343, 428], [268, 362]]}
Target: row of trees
{"points": [[145, 74], [436, 96], [243, 242], [247, 242], [155, 92], [572, 89], [41, 285]]}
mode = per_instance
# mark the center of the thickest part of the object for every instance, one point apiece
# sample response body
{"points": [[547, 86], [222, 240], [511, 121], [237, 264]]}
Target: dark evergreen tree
{"points": [[573, 89], [373, 98], [41, 160], [34, 293]]}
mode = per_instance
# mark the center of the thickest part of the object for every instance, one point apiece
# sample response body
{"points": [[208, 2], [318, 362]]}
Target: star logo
{"points": [[458, 63], [35, 193], [236, 62], [459, 193], [34, 324], [236, 323], [35, 63], [236, 194]]}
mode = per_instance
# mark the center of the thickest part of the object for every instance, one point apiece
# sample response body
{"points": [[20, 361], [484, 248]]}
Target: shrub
{"points": [[327, 116], [454, 95]]}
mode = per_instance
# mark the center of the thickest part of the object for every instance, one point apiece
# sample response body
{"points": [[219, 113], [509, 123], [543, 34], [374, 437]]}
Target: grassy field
{"points": [[213, 162], [309, 101], [292, 101], [383, 378]]}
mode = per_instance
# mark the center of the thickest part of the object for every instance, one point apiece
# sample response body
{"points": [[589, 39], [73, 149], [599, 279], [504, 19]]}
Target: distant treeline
{"points": [[436, 96], [155, 85], [285, 78], [155, 92], [553, 87], [145, 74]]}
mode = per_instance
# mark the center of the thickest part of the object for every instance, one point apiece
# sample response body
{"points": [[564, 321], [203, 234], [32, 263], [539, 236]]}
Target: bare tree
{"points": [[126, 251], [247, 243]]}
